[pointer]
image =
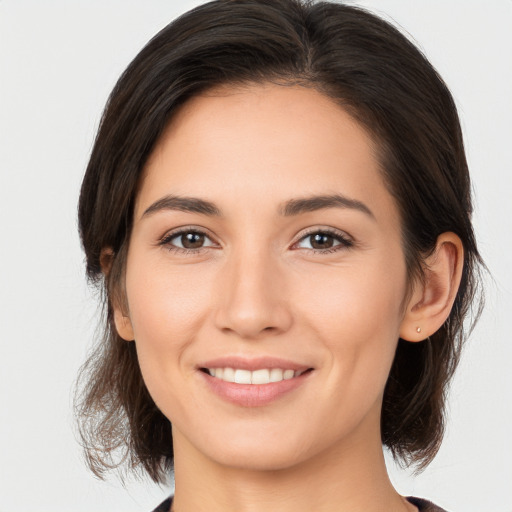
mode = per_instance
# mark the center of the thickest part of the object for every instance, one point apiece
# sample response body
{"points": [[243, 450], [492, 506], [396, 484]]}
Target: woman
{"points": [[277, 207]]}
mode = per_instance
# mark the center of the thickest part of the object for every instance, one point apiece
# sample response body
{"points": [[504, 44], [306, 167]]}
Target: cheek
{"points": [[363, 297], [357, 313], [167, 309], [165, 304]]}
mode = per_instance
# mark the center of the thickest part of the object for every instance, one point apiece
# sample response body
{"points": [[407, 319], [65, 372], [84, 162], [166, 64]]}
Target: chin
{"points": [[255, 453], [259, 459]]}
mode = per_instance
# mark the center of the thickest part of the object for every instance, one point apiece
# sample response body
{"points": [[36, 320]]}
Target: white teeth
{"points": [[288, 374], [242, 376], [276, 375], [263, 376], [260, 377], [228, 374]]}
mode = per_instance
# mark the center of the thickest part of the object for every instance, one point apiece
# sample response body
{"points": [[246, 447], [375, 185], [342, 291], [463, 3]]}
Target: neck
{"points": [[349, 477]]}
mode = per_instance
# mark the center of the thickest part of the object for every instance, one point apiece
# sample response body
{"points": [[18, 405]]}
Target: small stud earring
{"points": [[418, 329]]}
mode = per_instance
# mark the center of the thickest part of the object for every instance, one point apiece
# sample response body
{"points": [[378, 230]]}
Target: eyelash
{"points": [[344, 241], [166, 240]]}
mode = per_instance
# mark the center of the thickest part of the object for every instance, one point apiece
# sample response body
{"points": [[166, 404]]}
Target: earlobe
{"points": [[432, 298], [123, 325]]}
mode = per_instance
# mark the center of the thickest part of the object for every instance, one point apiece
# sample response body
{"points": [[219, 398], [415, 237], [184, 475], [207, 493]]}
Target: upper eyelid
{"points": [[327, 230], [187, 229]]}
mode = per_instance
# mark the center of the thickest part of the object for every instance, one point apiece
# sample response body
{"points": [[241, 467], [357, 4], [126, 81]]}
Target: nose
{"points": [[252, 300]]}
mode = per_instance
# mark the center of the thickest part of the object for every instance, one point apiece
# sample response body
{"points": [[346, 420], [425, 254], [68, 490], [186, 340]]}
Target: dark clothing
{"points": [[165, 506], [423, 505]]}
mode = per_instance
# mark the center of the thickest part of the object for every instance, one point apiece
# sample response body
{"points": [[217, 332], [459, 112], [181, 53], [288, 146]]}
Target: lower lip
{"points": [[253, 395]]}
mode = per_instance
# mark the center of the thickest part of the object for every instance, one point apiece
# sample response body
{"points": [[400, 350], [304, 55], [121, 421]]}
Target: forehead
{"points": [[265, 143]]}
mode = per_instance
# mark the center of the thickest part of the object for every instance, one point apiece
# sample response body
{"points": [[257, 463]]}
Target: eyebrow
{"points": [[183, 204], [313, 203], [288, 209]]}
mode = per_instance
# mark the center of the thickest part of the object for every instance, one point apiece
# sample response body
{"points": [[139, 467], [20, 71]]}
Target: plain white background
{"points": [[58, 62]]}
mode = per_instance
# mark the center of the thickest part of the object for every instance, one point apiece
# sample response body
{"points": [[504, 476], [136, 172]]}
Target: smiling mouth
{"points": [[256, 377]]}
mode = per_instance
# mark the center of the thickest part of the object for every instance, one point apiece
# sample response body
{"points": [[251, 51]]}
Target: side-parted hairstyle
{"points": [[380, 78]]}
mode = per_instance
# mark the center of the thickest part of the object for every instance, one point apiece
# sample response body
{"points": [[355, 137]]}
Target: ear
{"points": [[106, 259], [121, 315], [123, 325], [432, 298]]}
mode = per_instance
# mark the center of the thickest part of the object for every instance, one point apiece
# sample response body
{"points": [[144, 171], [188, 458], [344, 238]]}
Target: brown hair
{"points": [[381, 79]]}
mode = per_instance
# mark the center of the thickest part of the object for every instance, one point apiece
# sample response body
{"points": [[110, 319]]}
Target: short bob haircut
{"points": [[385, 83]]}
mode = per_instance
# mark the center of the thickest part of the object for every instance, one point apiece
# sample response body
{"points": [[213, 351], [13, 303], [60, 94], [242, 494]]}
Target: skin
{"points": [[259, 287]]}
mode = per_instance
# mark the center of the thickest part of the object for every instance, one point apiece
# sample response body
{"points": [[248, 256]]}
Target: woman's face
{"points": [[265, 249]]}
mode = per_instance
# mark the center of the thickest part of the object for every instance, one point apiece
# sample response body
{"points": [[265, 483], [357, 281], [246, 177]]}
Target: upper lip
{"points": [[253, 363]]}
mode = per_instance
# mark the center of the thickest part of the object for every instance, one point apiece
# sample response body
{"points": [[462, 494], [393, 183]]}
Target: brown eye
{"points": [[324, 241], [192, 240], [321, 241], [189, 239]]}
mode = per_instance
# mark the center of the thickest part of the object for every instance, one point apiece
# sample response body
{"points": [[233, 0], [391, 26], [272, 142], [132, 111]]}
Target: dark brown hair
{"points": [[386, 84]]}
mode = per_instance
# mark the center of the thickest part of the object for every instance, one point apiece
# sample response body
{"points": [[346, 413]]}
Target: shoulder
{"points": [[424, 505]]}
